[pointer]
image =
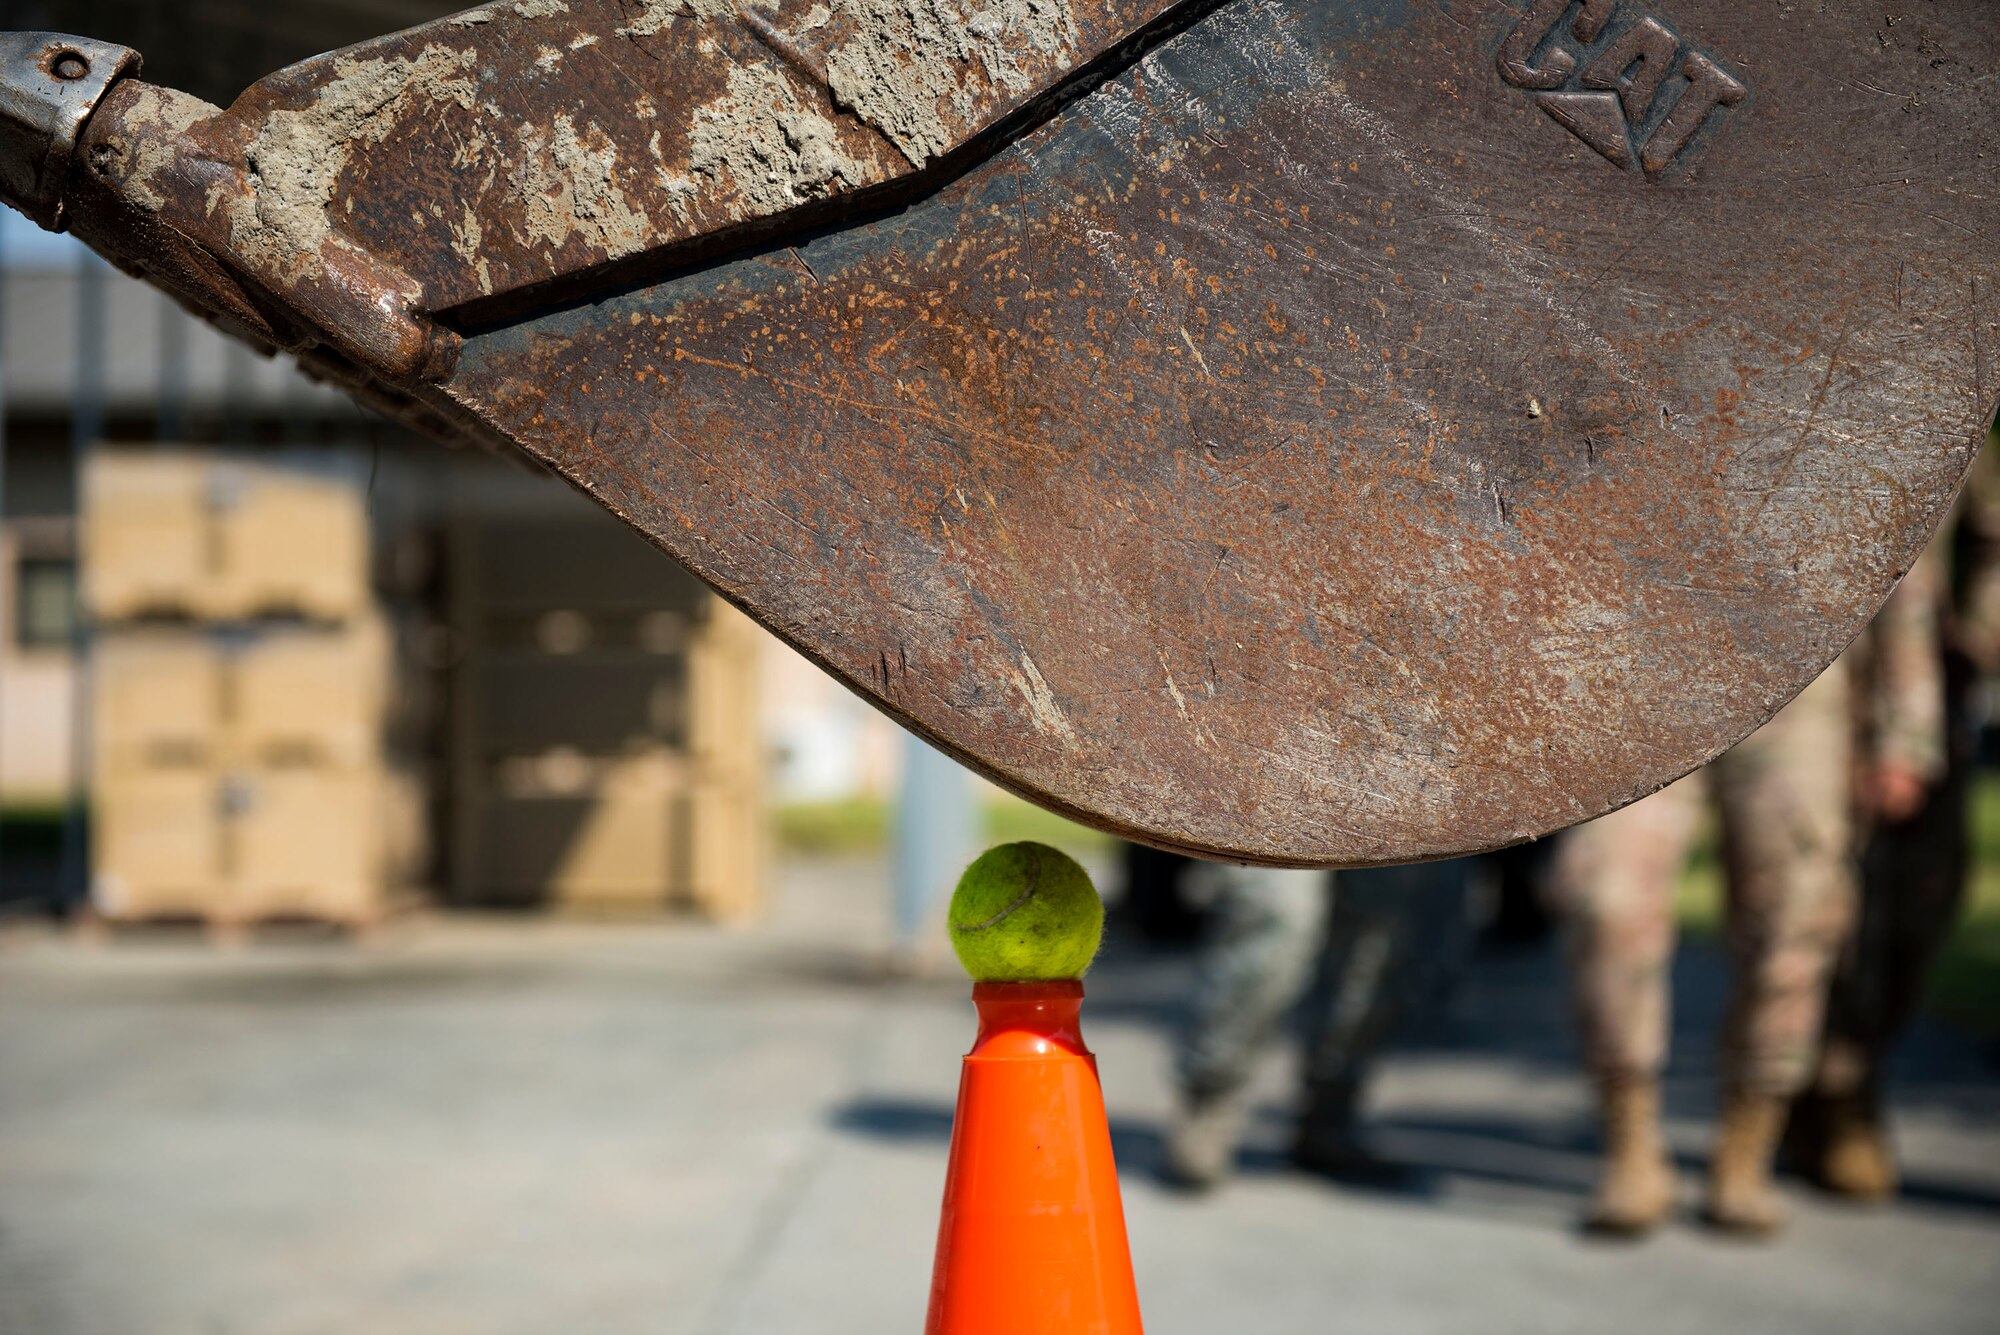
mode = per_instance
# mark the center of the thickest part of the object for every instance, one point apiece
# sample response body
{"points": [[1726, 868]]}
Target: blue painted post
{"points": [[87, 406], [934, 832], [170, 419]]}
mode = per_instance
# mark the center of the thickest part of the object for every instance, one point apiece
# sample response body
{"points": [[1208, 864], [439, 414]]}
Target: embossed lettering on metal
{"points": [[1621, 80]]}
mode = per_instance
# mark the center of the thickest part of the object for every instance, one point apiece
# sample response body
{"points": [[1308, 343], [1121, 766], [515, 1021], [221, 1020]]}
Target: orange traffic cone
{"points": [[1032, 1241]]}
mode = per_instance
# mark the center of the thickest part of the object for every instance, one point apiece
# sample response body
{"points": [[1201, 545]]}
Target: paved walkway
{"points": [[499, 1127]]}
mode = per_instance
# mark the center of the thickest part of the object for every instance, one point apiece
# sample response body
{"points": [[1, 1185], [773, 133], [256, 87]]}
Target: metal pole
{"points": [[171, 422], [8, 567], [86, 428], [236, 394], [933, 839]]}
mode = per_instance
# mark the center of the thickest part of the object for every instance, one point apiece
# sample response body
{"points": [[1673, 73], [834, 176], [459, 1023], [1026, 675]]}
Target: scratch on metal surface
{"points": [[1200, 361], [1043, 711], [1180, 701]]}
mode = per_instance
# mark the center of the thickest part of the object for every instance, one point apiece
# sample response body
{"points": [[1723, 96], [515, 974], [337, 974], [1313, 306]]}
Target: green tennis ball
{"points": [[1025, 913]]}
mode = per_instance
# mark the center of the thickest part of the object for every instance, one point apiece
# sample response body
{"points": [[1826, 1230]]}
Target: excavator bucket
{"points": [[1296, 431]]}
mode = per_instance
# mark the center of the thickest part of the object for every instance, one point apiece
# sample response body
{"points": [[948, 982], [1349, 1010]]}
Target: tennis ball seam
{"points": [[1020, 902]]}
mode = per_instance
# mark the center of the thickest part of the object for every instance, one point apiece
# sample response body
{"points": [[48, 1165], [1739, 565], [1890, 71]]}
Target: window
{"points": [[45, 603]]}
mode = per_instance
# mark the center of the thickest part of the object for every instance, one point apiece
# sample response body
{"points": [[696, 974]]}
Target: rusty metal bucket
{"points": [[1288, 430]]}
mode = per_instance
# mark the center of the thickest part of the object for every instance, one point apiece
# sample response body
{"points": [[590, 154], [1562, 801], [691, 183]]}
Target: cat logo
{"points": [[1632, 90]]}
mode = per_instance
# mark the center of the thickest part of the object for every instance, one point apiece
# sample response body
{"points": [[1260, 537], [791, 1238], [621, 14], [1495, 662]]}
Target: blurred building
{"points": [[162, 377], [545, 667], [314, 663]]}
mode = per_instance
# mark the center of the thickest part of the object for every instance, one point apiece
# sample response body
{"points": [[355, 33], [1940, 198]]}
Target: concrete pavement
{"points": [[492, 1126]]}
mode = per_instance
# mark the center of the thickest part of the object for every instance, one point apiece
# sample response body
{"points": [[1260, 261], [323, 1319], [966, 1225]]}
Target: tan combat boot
{"points": [[1637, 1188], [1855, 1159], [1741, 1197]]}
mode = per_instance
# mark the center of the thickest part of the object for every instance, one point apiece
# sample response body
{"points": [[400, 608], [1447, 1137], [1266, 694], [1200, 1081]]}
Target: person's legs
{"points": [[1396, 935], [1254, 963], [1912, 886], [1786, 801], [1614, 885]]}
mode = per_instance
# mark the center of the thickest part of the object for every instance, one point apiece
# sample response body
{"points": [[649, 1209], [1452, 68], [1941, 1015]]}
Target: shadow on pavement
{"points": [[1510, 1009], [1136, 1145]]}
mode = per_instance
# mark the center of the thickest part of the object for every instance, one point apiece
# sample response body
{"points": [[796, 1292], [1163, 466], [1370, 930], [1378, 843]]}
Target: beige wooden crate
{"points": [[609, 843], [145, 533], [311, 694], [248, 845], [157, 698], [726, 838], [583, 649], [157, 845], [286, 539], [726, 826], [193, 533], [307, 842], [405, 831], [721, 709]]}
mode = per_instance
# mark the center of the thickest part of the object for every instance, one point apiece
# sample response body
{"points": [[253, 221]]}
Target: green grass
{"points": [[33, 829], [1965, 983], [821, 829], [44, 811], [858, 825], [1009, 819], [1698, 898]]}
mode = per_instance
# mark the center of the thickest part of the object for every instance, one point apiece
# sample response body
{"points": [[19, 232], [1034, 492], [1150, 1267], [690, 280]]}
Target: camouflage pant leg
{"points": [[1613, 884], [1397, 936], [1786, 800], [1913, 876], [1256, 960]]}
